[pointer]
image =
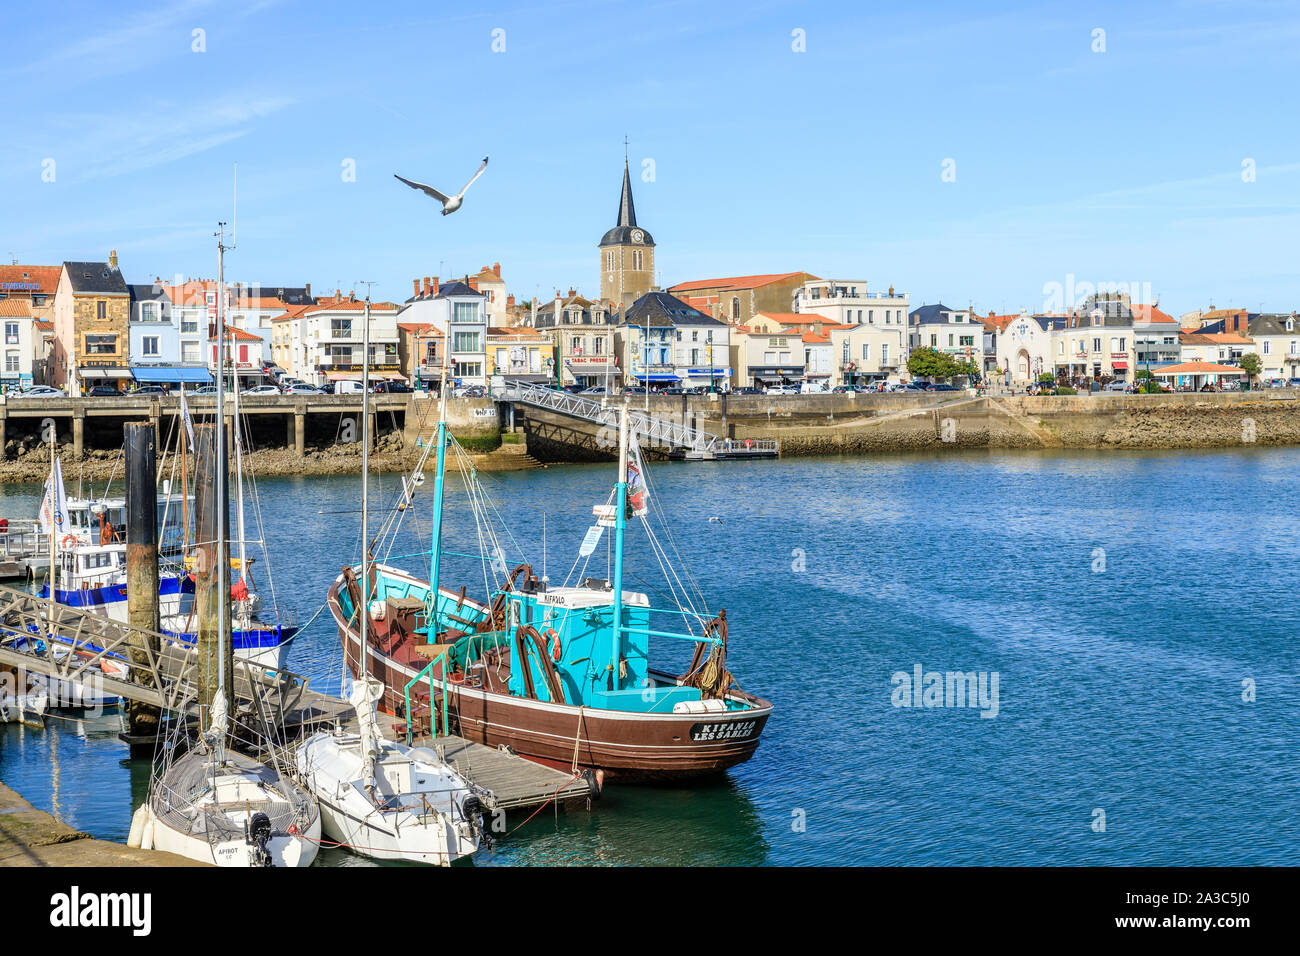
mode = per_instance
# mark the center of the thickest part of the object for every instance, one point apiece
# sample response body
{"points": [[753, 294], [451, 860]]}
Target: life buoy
{"points": [[555, 644], [68, 540], [749, 443]]}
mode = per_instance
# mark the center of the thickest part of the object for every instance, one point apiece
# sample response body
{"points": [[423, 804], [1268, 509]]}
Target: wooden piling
{"points": [[141, 576], [210, 606]]}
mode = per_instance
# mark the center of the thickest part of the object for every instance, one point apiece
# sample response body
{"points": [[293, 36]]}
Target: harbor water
{"points": [[1128, 618]]}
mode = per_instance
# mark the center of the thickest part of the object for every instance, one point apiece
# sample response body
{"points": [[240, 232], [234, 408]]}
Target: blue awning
{"points": [[159, 374]]}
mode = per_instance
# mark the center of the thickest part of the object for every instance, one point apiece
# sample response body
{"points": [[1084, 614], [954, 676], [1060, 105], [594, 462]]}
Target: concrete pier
{"points": [[31, 837]]}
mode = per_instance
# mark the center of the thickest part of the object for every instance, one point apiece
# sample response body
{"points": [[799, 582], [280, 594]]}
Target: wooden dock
{"points": [[515, 782]]}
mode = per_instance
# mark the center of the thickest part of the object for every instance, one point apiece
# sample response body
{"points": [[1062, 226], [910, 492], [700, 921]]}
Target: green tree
{"points": [[1252, 365], [928, 362]]}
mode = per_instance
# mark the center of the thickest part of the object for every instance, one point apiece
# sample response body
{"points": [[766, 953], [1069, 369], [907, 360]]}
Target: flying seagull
{"points": [[449, 204]]}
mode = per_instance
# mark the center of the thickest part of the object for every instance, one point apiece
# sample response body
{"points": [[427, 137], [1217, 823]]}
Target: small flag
{"points": [[638, 495], [185, 416], [54, 506]]}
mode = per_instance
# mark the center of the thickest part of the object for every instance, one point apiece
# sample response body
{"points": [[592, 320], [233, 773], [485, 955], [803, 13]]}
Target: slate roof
{"points": [[457, 288], [95, 277], [1273, 323], [661, 310], [939, 314]]}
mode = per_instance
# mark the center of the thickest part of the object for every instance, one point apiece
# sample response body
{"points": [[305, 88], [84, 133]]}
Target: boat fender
{"points": [[377, 610], [138, 820], [67, 541], [556, 649]]}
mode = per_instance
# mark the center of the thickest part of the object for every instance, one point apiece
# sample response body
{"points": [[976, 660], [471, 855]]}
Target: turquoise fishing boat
{"points": [[564, 675]]}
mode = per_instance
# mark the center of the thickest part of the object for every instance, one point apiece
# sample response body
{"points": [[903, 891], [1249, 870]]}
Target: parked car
{"points": [[302, 390], [390, 387], [149, 390], [916, 387], [781, 390], [104, 391], [595, 390], [1293, 383], [746, 390], [39, 391], [634, 390], [946, 388], [1115, 387], [261, 390]]}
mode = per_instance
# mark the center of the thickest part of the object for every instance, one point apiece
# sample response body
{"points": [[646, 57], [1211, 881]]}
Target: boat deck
{"points": [[514, 782]]}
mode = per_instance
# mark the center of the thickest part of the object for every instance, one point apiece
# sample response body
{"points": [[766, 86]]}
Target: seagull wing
{"points": [[482, 167], [428, 190]]}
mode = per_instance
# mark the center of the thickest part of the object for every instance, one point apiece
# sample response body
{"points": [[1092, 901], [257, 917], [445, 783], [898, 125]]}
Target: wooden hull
{"points": [[625, 745]]}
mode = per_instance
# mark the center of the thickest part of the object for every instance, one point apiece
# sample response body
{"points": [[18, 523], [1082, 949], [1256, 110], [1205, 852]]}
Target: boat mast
{"points": [[436, 553], [363, 612], [223, 559], [239, 471], [620, 524], [54, 534]]}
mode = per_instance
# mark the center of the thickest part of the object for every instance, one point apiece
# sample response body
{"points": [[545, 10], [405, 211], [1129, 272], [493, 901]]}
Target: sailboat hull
{"points": [[626, 745]]}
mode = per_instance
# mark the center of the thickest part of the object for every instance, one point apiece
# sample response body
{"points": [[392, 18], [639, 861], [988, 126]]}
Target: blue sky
{"points": [[1117, 166]]}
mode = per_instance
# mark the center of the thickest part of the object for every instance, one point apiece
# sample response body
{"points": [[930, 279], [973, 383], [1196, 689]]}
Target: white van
{"points": [[347, 386]]}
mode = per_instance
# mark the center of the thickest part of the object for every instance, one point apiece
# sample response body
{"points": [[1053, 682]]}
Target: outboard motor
{"points": [[258, 835]]}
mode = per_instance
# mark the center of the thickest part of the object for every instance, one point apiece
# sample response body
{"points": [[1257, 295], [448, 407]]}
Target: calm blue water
{"points": [[1120, 683]]}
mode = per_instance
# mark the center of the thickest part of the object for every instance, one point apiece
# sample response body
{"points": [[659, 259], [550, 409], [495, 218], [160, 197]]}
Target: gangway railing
{"points": [[649, 429]]}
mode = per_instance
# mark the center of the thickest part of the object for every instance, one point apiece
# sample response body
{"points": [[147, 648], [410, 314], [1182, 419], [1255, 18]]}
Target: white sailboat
{"points": [[381, 798], [210, 804]]}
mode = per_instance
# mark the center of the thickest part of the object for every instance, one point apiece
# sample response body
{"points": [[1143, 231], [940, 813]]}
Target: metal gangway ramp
{"points": [[70, 645], [680, 439]]}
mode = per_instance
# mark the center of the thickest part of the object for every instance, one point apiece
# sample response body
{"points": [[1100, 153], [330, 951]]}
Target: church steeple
{"points": [[626, 211], [627, 253]]}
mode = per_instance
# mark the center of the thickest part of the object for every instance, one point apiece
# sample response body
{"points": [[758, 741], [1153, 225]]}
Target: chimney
{"points": [[510, 301], [426, 285], [473, 282], [416, 293], [433, 289], [572, 291], [496, 269], [112, 258]]}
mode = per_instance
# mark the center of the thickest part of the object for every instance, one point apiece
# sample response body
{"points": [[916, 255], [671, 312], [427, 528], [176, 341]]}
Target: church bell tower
{"points": [[627, 254]]}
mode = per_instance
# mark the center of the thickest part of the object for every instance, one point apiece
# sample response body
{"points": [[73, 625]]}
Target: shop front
{"points": [[764, 375], [91, 376], [589, 370], [718, 378]]}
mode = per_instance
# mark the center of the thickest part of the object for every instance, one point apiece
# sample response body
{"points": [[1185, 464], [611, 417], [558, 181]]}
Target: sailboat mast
{"points": [[54, 533], [436, 551], [223, 561], [363, 612], [239, 474], [620, 525]]}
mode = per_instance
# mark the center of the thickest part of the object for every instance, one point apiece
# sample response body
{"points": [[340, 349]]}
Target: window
{"points": [[189, 352], [598, 344], [189, 322], [1096, 345], [871, 316], [695, 356], [884, 353], [844, 353], [11, 361], [967, 340], [695, 335], [464, 312], [11, 333], [467, 369], [148, 311], [735, 307], [149, 345], [340, 328], [934, 340], [949, 340], [243, 358], [769, 358], [866, 351], [101, 344], [466, 342]]}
